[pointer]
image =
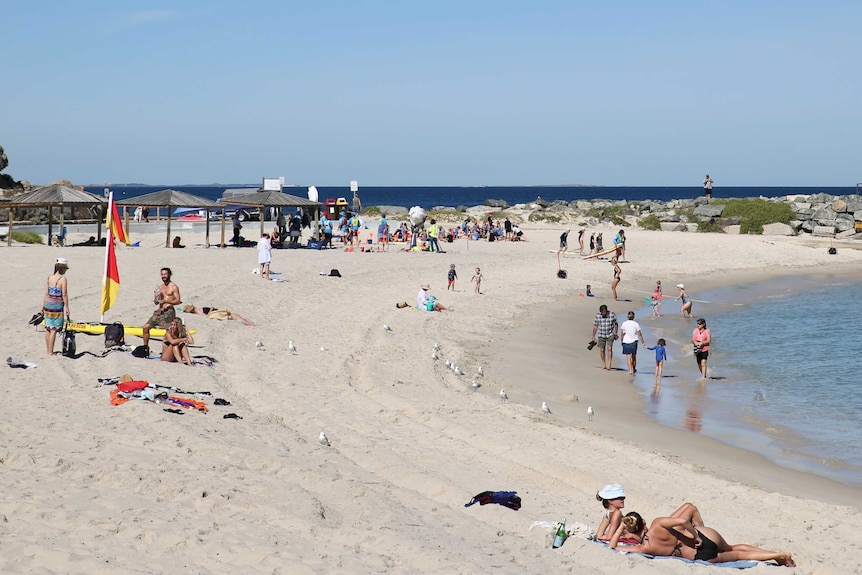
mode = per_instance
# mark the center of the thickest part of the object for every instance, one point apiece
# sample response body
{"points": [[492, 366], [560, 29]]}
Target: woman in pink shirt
{"points": [[701, 338]]}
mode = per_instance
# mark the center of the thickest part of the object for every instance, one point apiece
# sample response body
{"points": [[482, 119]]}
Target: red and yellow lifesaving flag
{"points": [[111, 279], [114, 224]]}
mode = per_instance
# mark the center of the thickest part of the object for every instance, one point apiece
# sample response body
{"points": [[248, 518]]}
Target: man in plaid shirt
{"points": [[605, 331]]}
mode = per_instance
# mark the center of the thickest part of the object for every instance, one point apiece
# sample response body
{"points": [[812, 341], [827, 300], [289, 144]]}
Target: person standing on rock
{"points": [[707, 188]]}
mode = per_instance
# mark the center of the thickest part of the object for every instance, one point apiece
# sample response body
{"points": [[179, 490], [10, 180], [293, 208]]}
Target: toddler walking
{"points": [[477, 279], [660, 356], [453, 275]]}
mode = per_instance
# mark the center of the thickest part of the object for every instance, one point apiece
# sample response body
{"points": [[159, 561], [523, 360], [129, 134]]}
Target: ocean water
{"points": [[429, 197], [784, 374]]}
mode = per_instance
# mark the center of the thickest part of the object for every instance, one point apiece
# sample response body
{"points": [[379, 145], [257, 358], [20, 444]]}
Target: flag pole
{"points": [[108, 239]]}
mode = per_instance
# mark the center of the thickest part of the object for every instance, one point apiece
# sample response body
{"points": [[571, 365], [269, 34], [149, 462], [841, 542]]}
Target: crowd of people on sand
{"points": [[681, 534], [166, 296]]}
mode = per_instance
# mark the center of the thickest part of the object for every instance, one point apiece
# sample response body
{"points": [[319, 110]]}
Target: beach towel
{"points": [[505, 498], [740, 564]]}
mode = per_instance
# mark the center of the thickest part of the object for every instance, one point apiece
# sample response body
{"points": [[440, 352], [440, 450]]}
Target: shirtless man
{"points": [[165, 297]]}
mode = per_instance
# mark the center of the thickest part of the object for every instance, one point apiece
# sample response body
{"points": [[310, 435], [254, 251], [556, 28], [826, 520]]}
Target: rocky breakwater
{"points": [[818, 214]]}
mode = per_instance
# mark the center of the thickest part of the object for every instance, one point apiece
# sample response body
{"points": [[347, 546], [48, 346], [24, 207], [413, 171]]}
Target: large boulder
{"points": [[709, 210], [673, 227], [503, 204], [777, 229]]}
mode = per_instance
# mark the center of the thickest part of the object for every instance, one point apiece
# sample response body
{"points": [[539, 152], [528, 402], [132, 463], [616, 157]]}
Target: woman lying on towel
{"points": [[684, 535], [216, 313], [175, 343]]}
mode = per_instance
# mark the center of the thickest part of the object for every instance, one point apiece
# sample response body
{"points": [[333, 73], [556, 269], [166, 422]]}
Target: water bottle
{"points": [[561, 535]]}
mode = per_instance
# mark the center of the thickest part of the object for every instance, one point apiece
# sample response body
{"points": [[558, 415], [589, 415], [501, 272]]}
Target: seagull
{"points": [[458, 371], [386, 327], [476, 384], [480, 371], [503, 395], [323, 348], [434, 355], [453, 367], [258, 344], [291, 346], [323, 439], [545, 407], [590, 412], [759, 396], [447, 363], [436, 346]]}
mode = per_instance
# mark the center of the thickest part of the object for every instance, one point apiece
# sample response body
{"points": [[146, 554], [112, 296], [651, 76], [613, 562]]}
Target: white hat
{"points": [[63, 262], [425, 286], [612, 491], [680, 286]]}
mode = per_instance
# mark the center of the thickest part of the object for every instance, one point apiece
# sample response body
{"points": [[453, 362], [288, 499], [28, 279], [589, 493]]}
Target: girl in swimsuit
{"points": [[55, 303], [613, 500], [616, 281]]}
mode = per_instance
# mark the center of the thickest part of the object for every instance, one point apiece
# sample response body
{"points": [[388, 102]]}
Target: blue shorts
{"points": [[630, 348]]}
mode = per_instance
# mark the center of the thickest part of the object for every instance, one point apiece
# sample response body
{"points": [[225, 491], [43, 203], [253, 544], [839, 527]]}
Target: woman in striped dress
{"points": [[56, 303]]}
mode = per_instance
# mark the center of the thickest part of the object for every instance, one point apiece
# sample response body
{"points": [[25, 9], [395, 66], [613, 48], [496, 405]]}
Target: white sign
{"points": [[272, 184], [354, 186]]}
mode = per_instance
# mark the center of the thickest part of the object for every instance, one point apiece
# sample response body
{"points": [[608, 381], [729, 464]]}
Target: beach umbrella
{"points": [[53, 195], [173, 199]]}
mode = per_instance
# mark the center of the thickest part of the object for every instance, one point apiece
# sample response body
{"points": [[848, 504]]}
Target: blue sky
{"points": [[755, 93]]}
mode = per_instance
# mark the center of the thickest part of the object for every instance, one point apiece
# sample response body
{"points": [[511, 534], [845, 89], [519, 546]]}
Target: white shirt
{"points": [[264, 251], [630, 330], [422, 299]]}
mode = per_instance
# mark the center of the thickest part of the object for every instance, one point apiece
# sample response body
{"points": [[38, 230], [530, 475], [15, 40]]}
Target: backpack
{"points": [[69, 343], [115, 335]]}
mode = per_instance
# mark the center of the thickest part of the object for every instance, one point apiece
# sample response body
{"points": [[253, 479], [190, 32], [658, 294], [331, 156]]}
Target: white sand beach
{"points": [[88, 487]]}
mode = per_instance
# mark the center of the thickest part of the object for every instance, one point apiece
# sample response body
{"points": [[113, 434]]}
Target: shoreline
{"points": [[552, 327]]}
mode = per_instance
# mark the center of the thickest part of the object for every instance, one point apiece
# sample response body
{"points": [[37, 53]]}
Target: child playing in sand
{"points": [[660, 356], [613, 499], [477, 279], [656, 299], [453, 275]]}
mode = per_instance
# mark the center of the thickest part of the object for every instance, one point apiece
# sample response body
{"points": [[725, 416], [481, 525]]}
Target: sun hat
{"points": [[612, 491], [680, 286], [63, 262], [425, 286]]}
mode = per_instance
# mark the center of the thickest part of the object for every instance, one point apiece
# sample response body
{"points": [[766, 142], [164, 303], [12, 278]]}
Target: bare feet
{"points": [[786, 560]]}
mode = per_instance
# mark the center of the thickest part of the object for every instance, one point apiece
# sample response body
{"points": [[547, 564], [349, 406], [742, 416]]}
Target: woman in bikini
{"points": [[617, 273], [684, 535], [175, 343]]}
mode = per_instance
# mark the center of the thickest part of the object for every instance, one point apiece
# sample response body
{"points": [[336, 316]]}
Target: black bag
{"points": [[69, 343], [334, 273], [562, 274], [141, 351], [115, 335]]}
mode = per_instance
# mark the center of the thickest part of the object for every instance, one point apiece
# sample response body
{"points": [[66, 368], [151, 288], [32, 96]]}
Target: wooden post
{"points": [[9, 233], [222, 228]]}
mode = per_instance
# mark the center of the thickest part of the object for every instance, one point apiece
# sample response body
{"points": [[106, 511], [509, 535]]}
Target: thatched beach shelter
{"points": [[273, 199], [51, 196], [173, 199]]}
